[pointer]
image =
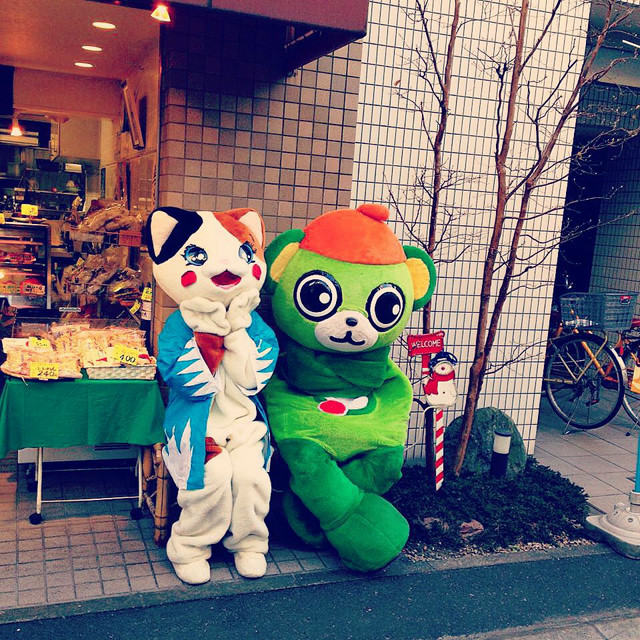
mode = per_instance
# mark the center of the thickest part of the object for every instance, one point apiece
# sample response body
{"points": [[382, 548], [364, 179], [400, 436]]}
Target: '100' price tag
{"points": [[125, 355], [44, 370]]}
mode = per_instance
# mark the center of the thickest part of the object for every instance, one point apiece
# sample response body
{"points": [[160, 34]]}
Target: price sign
{"points": [[44, 370], [135, 307], [30, 210], [39, 343], [147, 294], [79, 262], [125, 355], [2, 218]]}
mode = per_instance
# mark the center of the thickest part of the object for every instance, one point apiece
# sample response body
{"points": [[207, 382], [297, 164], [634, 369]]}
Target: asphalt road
{"points": [[415, 606]]}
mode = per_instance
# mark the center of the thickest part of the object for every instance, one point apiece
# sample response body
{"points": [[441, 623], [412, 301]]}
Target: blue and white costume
{"points": [[216, 354], [231, 492]]}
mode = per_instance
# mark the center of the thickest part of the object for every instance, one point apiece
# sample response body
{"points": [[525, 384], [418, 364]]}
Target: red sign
{"points": [[425, 343]]}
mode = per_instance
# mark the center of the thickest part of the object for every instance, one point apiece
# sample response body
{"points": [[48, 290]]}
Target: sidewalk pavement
{"points": [[91, 557]]}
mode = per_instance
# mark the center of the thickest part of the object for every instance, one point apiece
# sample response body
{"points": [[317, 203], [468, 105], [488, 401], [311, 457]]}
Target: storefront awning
{"points": [[314, 27]]}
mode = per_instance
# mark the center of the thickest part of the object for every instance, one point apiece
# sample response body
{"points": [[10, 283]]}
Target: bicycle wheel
{"points": [[584, 380], [631, 403]]}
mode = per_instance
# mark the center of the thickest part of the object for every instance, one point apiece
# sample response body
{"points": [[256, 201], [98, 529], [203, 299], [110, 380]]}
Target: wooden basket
{"points": [[122, 372]]}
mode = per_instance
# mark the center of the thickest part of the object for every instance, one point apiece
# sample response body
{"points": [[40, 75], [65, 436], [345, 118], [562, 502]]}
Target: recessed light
{"points": [[84, 65], [90, 47], [107, 26]]}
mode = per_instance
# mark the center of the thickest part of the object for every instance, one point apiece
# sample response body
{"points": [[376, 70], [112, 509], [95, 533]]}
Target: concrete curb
{"points": [[399, 567], [554, 625]]}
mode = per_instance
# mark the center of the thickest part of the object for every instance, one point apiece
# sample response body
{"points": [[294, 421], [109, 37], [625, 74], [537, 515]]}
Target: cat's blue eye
{"points": [[195, 255], [246, 252]]}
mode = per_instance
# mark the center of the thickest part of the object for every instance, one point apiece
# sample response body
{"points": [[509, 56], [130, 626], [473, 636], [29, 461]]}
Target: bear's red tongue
{"points": [[226, 279]]}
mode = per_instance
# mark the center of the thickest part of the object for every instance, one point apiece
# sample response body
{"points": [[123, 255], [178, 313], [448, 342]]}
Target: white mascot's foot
{"points": [[250, 564], [197, 572]]}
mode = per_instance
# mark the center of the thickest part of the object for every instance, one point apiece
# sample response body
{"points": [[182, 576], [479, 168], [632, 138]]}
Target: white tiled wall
{"points": [[392, 148], [616, 259]]}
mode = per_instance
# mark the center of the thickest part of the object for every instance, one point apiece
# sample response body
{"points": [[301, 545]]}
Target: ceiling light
{"points": [[16, 129], [83, 65], [107, 26], [90, 47], [631, 44], [161, 13]]}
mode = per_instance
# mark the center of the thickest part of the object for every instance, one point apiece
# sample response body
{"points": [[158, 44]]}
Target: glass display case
{"points": [[25, 265]]}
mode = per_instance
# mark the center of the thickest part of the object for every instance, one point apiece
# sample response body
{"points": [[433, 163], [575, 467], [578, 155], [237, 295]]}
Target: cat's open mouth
{"points": [[226, 280]]}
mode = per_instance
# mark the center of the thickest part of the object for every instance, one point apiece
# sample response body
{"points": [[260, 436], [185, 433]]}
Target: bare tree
{"points": [[511, 251]]}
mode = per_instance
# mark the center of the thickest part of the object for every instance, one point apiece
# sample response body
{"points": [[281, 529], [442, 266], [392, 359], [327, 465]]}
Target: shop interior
{"points": [[78, 162]]}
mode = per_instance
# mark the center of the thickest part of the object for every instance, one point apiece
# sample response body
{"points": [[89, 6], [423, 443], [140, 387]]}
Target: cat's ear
{"points": [[252, 219], [168, 229]]}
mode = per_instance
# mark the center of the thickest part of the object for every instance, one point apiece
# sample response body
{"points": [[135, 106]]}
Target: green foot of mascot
{"points": [[342, 291]]}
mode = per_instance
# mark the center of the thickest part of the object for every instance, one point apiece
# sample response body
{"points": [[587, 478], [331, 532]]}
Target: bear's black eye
{"points": [[385, 306], [317, 295], [195, 255]]}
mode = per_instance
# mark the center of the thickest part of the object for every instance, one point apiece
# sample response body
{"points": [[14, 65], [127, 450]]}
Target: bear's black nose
{"points": [[352, 322]]}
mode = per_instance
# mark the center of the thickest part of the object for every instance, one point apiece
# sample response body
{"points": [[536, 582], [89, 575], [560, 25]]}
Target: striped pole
{"points": [[438, 448]]}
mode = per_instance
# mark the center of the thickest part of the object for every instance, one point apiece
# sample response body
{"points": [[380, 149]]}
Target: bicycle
{"points": [[587, 380]]}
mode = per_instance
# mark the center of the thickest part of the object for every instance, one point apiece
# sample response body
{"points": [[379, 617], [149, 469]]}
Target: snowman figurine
{"points": [[440, 389]]}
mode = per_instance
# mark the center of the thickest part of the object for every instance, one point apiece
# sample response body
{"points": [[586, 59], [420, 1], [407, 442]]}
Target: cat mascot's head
{"points": [[213, 255]]}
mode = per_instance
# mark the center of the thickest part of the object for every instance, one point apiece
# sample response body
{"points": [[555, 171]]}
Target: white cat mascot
{"points": [[215, 353]]}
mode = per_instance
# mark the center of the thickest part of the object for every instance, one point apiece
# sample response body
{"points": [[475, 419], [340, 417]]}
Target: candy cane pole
{"points": [[438, 448]]}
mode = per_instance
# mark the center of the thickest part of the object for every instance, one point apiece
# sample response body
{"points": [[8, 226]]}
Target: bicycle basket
{"points": [[611, 310]]}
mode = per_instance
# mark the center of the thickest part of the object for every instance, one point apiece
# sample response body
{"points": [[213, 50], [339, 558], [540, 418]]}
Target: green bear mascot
{"points": [[343, 290]]}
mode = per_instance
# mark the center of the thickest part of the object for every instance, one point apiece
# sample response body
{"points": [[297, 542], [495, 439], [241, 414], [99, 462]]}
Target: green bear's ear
{"points": [[423, 274], [278, 254]]}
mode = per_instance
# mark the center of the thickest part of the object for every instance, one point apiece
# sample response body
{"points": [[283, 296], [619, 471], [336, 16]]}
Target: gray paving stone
{"points": [[56, 541], [8, 600], [30, 582], [143, 583], [31, 569], [55, 566], [139, 570], [111, 587], [56, 554], [220, 574], [7, 571], [7, 585], [85, 562], [167, 580], [61, 579], [115, 573], [30, 545], [620, 629], [35, 555], [135, 557], [86, 575], [111, 560], [64, 593], [33, 596], [289, 566], [89, 590], [84, 550]]}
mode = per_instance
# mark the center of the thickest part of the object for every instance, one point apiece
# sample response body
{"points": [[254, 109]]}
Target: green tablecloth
{"points": [[79, 412]]}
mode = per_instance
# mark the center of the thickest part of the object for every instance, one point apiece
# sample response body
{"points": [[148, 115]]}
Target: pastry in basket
{"points": [[215, 353]]}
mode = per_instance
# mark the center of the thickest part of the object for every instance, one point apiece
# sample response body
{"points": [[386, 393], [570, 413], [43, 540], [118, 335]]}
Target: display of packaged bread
{"points": [[72, 347]]}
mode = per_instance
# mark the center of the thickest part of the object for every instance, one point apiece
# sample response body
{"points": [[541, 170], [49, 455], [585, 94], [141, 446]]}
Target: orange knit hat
{"points": [[357, 235]]}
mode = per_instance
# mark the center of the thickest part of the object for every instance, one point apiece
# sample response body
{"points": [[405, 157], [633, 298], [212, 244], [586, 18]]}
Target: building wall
{"points": [[235, 132], [616, 260], [392, 150]]}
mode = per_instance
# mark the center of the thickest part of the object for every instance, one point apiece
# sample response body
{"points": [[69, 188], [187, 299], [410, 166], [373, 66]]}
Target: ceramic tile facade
{"points": [[615, 260], [392, 149], [236, 132]]}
